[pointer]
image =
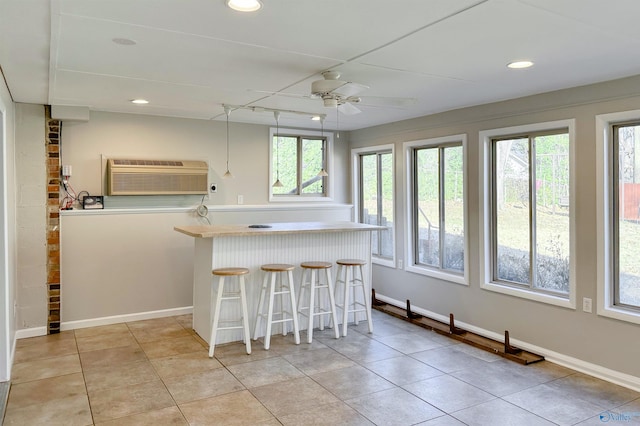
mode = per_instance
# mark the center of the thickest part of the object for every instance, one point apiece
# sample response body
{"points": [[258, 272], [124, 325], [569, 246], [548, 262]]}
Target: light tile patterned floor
{"points": [[157, 372]]}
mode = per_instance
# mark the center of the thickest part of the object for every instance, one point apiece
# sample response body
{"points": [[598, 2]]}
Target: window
{"points": [[618, 177], [299, 160], [437, 212], [527, 212], [373, 192]]}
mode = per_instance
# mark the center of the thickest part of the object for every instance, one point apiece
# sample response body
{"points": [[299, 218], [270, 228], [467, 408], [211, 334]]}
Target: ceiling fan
{"points": [[340, 94]]}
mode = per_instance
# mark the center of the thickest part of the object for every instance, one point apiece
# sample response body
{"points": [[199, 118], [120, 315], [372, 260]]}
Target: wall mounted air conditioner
{"points": [[156, 177]]}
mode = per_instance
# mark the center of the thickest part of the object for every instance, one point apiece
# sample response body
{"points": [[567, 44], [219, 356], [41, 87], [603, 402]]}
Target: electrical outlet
{"points": [[587, 305], [240, 199], [214, 187], [400, 264]]}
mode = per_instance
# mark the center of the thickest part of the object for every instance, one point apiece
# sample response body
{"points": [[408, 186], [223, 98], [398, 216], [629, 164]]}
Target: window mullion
{"points": [[299, 165], [615, 219], [493, 226], [441, 204], [533, 266], [416, 205], [379, 198]]}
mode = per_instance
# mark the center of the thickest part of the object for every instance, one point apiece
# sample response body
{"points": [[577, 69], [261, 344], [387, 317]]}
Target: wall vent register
{"points": [[156, 177]]}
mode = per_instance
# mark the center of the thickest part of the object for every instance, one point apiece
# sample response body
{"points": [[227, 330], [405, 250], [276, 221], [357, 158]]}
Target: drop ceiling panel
{"points": [[477, 45], [115, 93], [317, 28], [617, 17], [192, 56], [24, 48], [86, 45]]}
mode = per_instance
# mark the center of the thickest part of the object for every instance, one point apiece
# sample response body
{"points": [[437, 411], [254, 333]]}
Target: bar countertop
{"points": [[212, 231]]}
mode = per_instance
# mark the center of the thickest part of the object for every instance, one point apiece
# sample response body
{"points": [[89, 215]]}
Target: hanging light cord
{"points": [[337, 122], [227, 111], [277, 147]]}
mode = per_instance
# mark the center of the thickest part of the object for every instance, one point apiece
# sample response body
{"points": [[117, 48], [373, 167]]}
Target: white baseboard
{"points": [[616, 377], [30, 332], [116, 319]]}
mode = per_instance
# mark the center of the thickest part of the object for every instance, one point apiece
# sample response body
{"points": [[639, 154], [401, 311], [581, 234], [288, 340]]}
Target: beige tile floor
{"points": [[157, 372]]}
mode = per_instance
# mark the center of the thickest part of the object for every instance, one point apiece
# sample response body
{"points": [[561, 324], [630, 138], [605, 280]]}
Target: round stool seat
{"points": [[351, 262], [277, 267], [316, 265], [226, 272]]}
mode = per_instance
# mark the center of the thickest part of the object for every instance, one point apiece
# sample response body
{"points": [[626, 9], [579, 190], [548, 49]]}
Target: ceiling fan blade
{"points": [[350, 89], [289, 95], [348, 109], [388, 101]]}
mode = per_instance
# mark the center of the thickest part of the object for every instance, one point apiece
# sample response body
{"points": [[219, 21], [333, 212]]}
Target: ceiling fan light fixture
{"points": [[245, 5], [330, 102], [517, 65]]}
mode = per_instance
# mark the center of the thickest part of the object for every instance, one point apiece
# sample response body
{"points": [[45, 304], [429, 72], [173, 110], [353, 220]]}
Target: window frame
{"points": [[411, 222], [356, 154], [487, 216], [605, 304], [328, 188]]}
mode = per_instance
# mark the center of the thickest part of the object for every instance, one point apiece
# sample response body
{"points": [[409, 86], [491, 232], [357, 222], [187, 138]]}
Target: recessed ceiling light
{"points": [[244, 5], [123, 41], [520, 64], [139, 101]]}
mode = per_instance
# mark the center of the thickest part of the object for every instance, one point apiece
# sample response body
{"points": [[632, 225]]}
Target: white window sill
{"points": [[441, 275], [620, 314], [298, 199], [389, 263], [564, 302]]}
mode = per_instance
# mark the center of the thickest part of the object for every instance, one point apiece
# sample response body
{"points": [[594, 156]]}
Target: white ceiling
{"points": [[193, 56]]}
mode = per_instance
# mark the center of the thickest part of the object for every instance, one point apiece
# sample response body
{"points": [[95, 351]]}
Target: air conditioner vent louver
{"points": [[156, 177]]}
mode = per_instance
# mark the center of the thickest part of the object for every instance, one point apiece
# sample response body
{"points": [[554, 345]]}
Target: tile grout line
{"points": [[4, 398]]}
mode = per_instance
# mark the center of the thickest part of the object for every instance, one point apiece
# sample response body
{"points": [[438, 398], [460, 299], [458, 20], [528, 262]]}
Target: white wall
{"points": [[558, 331], [138, 136], [31, 219], [126, 261], [8, 243]]}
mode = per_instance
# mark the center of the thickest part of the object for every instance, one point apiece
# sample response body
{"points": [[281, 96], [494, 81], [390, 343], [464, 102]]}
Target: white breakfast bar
{"points": [[218, 246]]}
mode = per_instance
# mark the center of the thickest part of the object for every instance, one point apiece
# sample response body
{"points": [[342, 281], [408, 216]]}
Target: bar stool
{"points": [[347, 276], [313, 285], [225, 294], [272, 272]]}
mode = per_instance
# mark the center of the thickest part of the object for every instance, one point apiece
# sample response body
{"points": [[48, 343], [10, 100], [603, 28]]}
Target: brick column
{"points": [[53, 222]]}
